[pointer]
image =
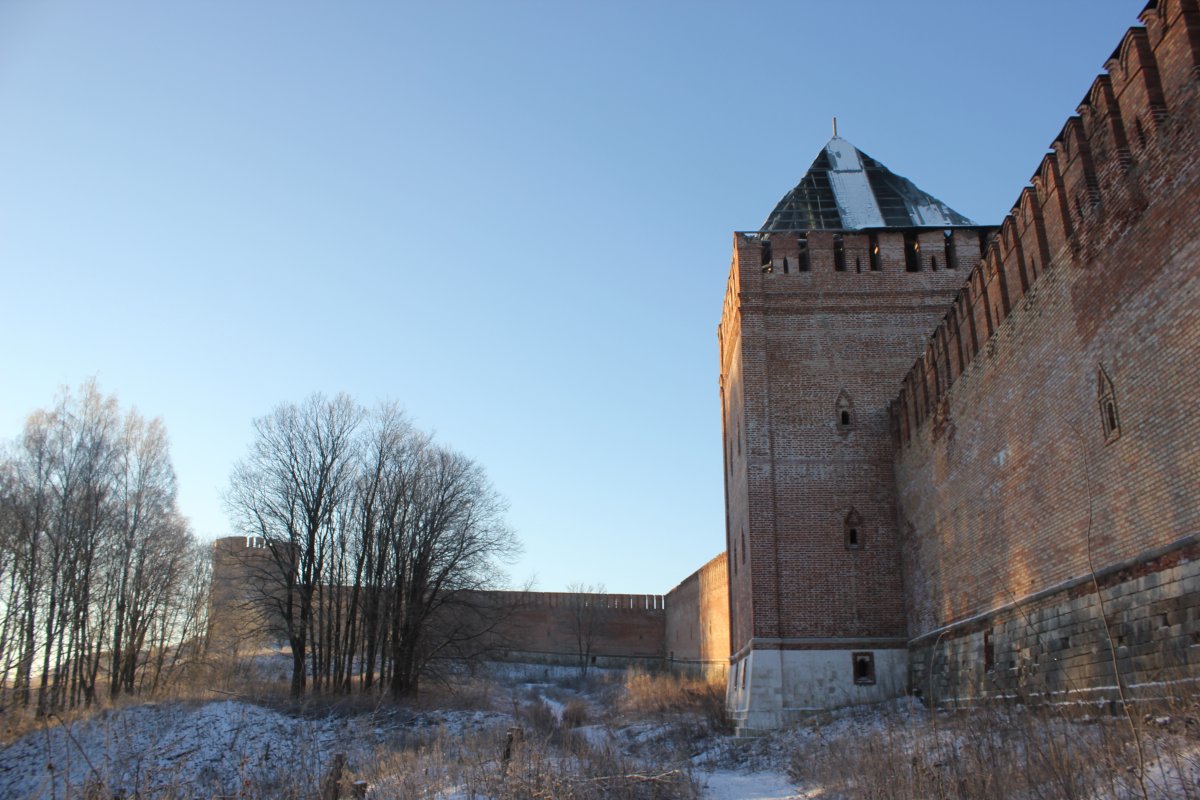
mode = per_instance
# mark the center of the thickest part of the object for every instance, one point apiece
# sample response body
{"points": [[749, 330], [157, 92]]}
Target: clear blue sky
{"points": [[513, 218]]}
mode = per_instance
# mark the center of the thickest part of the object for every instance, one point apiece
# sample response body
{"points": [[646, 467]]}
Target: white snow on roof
{"points": [[928, 214], [851, 189]]}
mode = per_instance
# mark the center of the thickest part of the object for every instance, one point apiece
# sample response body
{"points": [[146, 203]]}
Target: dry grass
{"points": [[181, 683], [575, 714], [520, 748], [541, 756], [534, 757], [539, 766], [662, 693], [1007, 751]]}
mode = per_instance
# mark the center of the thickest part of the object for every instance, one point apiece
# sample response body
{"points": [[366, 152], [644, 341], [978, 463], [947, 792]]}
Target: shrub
{"points": [[575, 714], [659, 693], [998, 752]]}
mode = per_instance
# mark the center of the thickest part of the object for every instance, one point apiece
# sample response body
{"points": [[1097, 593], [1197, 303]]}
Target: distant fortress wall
{"points": [[687, 629], [697, 625], [238, 615], [565, 627]]}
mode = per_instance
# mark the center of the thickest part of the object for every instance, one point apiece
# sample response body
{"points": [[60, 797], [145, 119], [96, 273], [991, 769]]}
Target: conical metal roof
{"points": [[846, 189]]}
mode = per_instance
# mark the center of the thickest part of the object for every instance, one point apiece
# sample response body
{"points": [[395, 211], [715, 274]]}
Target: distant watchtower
{"points": [[825, 311], [241, 613]]}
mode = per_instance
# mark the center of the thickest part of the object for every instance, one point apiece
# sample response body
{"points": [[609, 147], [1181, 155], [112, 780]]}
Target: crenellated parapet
{"points": [[564, 627], [1103, 171], [572, 600], [787, 261]]}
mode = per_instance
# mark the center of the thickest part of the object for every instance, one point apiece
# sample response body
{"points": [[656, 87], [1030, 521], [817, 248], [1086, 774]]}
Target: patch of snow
{"points": [[597, 736], [216, 748], [515, 672], [931, 214], [155, 749], [731, 785], [851, 189], [556, 708], [460, 793]]}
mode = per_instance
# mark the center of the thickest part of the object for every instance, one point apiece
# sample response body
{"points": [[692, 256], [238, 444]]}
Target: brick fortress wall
{"points": [[536, 627], [798, 347], [238, 616], [817, 330], [1050, 425], [697, 632], [546, 627]]}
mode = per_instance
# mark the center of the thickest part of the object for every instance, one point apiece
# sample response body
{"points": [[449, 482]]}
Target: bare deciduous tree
{"points": [[92, 551], [379, 537], [299, 471], [454, 534], [587, 614]]}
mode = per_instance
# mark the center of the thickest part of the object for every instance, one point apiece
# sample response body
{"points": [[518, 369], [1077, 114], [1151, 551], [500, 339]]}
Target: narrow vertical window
{"points": [[912, 253], [843, 410], [802, 257], [767, 266], [839, 253], [852, 530], [1107, 397], [873, 252], [864, 668], [989, 652], [951, 256]]}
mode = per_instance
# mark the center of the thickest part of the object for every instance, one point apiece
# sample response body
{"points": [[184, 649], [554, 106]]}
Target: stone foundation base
{"points": [[1058, 646], [777, 683]]}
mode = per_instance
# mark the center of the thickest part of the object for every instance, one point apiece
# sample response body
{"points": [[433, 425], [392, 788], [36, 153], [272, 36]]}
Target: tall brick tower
{"points": [[825, 311]]}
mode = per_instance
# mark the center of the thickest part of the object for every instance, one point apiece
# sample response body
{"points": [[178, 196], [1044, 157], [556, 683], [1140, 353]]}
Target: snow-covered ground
{"points": [[724, 784], [156, 749], [222, 747], [239, 748]]}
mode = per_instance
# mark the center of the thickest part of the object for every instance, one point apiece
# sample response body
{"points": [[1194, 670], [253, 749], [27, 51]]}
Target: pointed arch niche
{"points": [[844, 413], [1106, 396], [852, 530]]}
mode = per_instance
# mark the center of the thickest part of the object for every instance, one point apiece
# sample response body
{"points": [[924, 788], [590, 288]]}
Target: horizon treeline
{"points": [[101, 579]]}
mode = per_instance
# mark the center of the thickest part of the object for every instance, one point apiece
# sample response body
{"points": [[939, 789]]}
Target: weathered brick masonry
{"points": [[616, 629], [798, 348], [1045, 443], [686, 629], [697, 635], [1051, 425], [1041, 460], [239, 615]]}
